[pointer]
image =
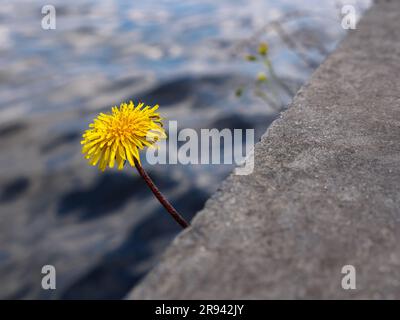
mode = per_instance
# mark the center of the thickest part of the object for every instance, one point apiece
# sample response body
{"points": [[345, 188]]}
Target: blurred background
{"points": [[104, 231]]}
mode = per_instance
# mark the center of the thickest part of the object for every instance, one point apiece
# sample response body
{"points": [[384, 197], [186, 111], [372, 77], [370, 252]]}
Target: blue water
{"points": [[98, 43]]}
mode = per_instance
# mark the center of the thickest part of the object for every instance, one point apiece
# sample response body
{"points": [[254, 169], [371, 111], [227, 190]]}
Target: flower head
{"points": [[261, 77], [263, 49], [118, 136]]}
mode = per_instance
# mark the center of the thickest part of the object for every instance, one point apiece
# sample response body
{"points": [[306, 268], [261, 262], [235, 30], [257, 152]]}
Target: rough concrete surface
{"points": [[324, 193]]}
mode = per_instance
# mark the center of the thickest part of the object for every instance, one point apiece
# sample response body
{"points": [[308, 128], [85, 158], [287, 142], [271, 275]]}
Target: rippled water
{"points": [[103, 232]]}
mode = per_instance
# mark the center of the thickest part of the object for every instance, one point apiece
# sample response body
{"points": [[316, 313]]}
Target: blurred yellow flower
{"points": [[118, 136], [262, 77], [263, 49], [250, 57]]}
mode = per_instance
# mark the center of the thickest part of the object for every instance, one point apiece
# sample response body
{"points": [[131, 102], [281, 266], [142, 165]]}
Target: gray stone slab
{"points": [[324, 192]]}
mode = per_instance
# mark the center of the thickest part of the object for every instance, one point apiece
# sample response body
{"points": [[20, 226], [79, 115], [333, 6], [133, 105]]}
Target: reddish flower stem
{"points": [[171, 210]]}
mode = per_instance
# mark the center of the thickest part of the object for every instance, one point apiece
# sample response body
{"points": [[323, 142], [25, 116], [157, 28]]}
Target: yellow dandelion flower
{"points": [[261, 77], [118, 136], [263, 49]]}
